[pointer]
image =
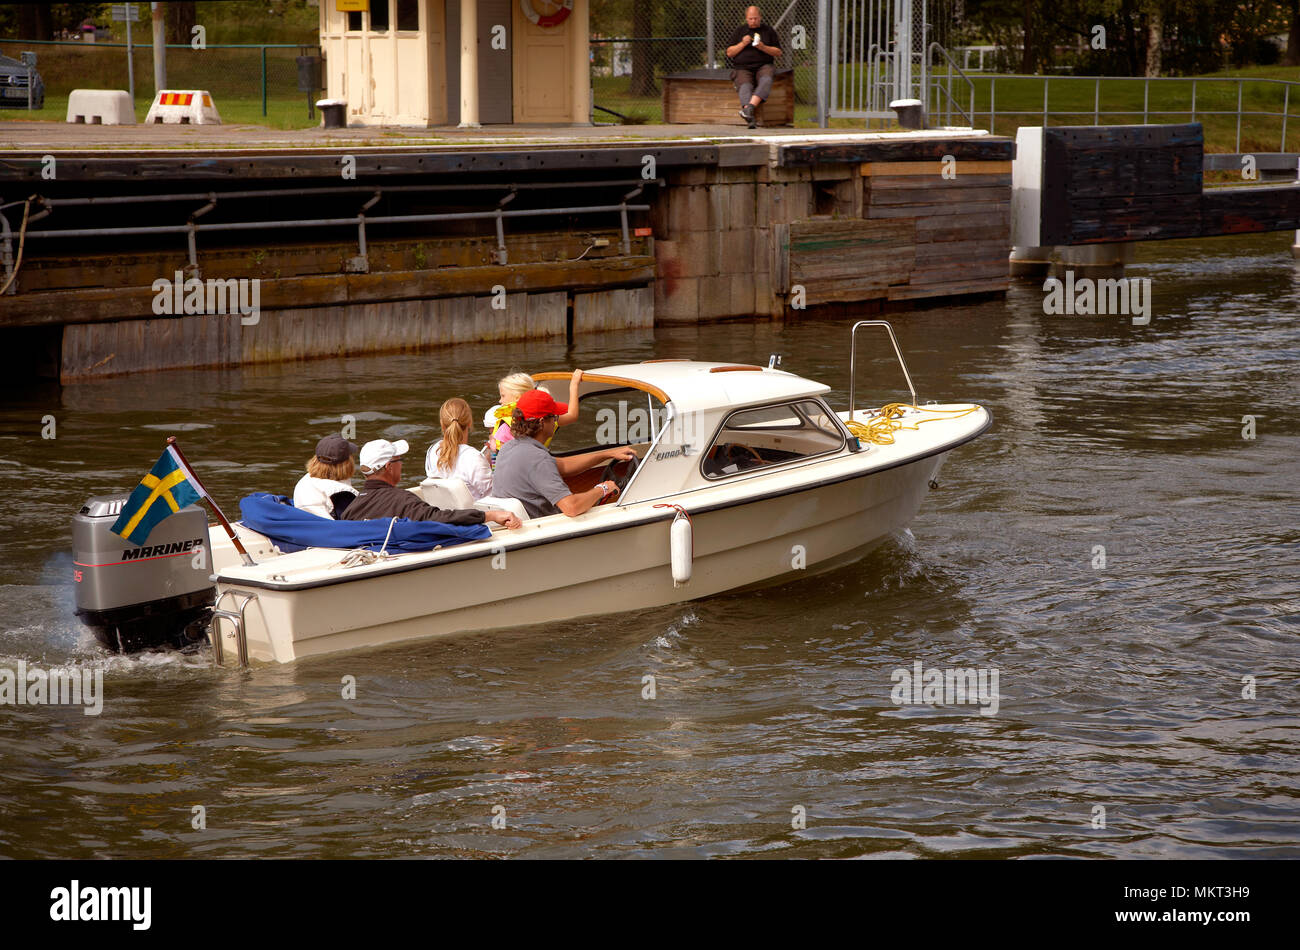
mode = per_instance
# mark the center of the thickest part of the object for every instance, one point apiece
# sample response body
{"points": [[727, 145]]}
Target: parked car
{"points": [[13, 85]]}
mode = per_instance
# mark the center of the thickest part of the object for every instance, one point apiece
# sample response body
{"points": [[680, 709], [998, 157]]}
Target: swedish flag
{"points": [[164, 491]]}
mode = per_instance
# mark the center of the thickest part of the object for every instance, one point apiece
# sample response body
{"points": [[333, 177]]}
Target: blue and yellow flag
{"points": [[164, 491]]}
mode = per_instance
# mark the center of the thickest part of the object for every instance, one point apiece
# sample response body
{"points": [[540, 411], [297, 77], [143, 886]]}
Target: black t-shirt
{"points": [[749, 57]]}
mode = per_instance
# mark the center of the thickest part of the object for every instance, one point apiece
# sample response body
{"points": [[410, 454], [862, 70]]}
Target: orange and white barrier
{"points": [[183, 107]]}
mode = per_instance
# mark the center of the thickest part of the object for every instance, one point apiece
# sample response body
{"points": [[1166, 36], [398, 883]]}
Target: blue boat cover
{"points": [[293, 530]]}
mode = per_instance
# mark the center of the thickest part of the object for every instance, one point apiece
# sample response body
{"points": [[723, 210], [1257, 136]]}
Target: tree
{"points": [[1293, 34], [181, 17], [35, 21], [643, 60], [1155, 37]]}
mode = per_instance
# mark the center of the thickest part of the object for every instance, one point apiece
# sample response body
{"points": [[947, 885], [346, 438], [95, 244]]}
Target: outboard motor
{"points": [[134, 597]]}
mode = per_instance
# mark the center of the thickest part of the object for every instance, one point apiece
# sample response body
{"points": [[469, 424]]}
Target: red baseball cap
{"points": [[538, 404]]}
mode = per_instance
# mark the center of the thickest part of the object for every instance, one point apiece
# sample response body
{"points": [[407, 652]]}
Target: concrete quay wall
{"points": [[749, 229]]}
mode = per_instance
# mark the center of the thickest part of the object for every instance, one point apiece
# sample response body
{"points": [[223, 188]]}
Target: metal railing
{"points": [[1191, 113], [192, 227], [853, 354], [943, 84]]}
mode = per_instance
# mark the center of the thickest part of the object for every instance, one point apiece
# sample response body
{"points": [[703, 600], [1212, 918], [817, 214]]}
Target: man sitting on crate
{"points": [[754, 47]]}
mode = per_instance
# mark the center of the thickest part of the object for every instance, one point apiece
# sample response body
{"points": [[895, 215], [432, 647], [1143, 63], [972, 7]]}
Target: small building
{"points": [[458, 62]]}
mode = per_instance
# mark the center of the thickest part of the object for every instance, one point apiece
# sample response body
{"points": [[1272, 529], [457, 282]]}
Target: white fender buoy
{"points": [[681, 544]]}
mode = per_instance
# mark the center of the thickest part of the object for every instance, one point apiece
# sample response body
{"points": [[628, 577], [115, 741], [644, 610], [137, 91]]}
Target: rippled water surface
{"points": [[1121, 687]]}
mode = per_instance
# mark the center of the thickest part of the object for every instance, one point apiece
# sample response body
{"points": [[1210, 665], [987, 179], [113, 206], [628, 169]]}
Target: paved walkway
{"points": [[28, 136]]}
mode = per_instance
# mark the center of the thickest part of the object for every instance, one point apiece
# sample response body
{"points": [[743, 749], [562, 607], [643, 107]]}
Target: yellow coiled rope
{"points": [[880, 430]]}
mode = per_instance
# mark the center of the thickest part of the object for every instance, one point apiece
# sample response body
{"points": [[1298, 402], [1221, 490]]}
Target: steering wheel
{"points": [[734, 451], [607, 475]]}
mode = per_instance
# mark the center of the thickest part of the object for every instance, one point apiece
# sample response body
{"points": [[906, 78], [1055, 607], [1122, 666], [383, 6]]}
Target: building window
{"points": [[354, 21], [771, 435], [378, 16], [408, 14]]}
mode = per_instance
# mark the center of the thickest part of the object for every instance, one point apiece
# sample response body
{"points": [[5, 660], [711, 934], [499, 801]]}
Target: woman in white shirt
{"points": [[325, 489], [452, 457]]}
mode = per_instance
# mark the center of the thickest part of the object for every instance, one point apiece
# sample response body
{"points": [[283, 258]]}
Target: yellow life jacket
{"points": [[503, 415]]}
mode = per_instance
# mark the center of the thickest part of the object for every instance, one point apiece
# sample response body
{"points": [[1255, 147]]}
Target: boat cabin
{"points": [[703, 423]]}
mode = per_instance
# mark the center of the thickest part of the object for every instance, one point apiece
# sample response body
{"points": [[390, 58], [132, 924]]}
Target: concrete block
{"points": [[688, 210], [739, 175], [697, 255], [720, 206], [695, 175], [765, 302], [715, 297], [678, 300], [742, 294], [101, 107], [742, 206], [737, 254]]}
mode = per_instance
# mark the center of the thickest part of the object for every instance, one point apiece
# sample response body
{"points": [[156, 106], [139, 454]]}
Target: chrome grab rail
{"points": [[853, 354], [236, 617]]}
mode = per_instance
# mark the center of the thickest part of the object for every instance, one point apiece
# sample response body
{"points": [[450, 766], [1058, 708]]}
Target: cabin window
{"points": [[378, 16], [771, 435], [408, 14], [354, 21], [612, 417]]}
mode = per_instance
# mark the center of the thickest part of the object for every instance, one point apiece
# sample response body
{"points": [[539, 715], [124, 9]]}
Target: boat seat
{"points": [[514, 505], [446, 493]]}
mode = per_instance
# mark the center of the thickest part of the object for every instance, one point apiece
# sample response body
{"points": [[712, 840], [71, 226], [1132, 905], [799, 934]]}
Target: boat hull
{"points": [[603, 570]]}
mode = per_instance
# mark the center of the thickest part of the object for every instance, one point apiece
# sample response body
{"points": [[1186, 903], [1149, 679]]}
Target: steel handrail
{"points": [[192, 228], [1146, 112], [237, 618], [952, 65], [853, 353]]}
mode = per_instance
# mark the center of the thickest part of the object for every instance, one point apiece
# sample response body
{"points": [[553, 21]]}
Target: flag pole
{"points": [[248, 561]]}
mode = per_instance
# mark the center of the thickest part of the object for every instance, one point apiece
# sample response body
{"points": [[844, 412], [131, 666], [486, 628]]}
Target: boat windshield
{"points": [[614, 417]]}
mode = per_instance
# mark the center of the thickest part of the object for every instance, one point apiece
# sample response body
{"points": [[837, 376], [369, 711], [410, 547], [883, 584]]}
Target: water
{"points": [[1120, 687]]}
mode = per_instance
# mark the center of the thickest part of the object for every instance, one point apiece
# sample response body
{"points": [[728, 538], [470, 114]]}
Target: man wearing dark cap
{"points": [[753, 50], [381, 463], [325, 490], [527, 471]]}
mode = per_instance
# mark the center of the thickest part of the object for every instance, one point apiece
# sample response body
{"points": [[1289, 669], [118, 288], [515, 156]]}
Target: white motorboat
{"points": [[774, 481]]}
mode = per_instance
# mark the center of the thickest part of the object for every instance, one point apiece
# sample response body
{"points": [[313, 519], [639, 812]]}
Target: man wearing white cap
{"points": [[381, 464]]}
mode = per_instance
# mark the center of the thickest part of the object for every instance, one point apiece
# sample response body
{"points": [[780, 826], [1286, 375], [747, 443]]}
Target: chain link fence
{"points": [[257, 84], [635, 49]]}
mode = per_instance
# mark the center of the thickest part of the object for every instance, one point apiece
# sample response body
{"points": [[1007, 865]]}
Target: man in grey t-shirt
{"points": [[527, 471]]}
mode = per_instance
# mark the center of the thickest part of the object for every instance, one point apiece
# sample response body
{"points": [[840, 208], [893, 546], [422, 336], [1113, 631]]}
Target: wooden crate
{"points": [[707, 97]]}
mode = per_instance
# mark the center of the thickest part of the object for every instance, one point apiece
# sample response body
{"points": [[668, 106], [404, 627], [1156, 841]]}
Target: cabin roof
{"points": [[690, 385]]}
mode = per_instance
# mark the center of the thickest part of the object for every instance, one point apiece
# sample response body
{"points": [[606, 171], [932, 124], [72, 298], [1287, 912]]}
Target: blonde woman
{"points": [[510, 388], [326, 489], [452, 457]]}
